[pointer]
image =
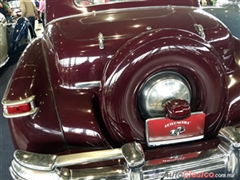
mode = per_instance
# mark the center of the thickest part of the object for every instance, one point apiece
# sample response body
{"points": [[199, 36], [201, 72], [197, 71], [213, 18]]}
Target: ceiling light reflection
{"points": [[232, 81]]}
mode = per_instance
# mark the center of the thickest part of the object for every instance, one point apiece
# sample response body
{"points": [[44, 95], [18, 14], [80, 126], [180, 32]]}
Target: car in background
{"points": [[229, 14], [126, 90], [14, 37]]}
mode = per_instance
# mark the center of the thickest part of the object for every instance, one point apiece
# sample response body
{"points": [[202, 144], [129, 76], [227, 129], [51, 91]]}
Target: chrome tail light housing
{"points": [[19, 108]]}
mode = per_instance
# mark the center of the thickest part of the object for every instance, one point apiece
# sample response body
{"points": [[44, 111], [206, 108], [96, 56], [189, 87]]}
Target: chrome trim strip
{"points": [[161, 143], [17, 102], [101, 39], [105, 173], [87, 85], [200, 30], [88, 157], [223, 159], [13, 174]]}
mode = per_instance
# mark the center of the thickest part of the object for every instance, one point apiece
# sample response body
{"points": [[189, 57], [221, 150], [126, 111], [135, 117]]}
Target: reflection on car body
{"points": [[126, 90]]}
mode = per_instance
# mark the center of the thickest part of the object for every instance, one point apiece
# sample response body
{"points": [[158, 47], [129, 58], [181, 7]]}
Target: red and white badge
{"points": [[163, 131]]}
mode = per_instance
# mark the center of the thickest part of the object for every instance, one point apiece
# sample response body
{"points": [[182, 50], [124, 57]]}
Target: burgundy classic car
{"points": [[126, 90]]}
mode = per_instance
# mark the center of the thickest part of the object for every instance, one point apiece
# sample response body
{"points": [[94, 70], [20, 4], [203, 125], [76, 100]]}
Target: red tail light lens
{"points": [[21, 108]]}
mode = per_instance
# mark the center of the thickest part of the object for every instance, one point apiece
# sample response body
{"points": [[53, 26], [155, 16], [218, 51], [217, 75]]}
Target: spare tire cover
{"points": [[153, 52]]}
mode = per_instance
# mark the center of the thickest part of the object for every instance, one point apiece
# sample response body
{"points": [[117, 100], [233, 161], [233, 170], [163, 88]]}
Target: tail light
{"points": [[19, 108]]}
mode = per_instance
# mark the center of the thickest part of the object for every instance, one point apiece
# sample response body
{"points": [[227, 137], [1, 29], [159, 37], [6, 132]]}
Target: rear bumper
{"points": [[220, 162]]}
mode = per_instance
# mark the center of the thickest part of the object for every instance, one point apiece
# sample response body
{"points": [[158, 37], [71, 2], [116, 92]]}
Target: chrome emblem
{"points": [[176, 132], [101, 40], [199, 28]]}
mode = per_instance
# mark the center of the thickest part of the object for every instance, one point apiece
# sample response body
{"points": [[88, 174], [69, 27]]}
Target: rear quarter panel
{"points": [[31, 78]]}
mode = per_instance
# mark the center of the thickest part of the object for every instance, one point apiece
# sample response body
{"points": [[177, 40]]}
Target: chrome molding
{"points": [[87, 85], [30, 113], [199, 28], [161, 143], [30, 100], [82, 85], [17, 102], [100, 39], [222, 159]]}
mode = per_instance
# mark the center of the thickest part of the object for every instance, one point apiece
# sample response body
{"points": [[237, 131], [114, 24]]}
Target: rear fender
{"points": [[30, 79]]}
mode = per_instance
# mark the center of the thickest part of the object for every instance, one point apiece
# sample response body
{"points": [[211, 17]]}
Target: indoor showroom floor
{"points": [[6, 145]]}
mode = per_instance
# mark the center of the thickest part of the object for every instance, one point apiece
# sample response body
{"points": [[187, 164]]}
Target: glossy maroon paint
{"points": [[155, 54], [30, 77], [83, 49], [107, 116], [55, 8]]}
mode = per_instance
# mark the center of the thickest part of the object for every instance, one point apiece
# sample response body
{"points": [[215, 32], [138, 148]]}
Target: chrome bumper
{"points": [[222, 161]]}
